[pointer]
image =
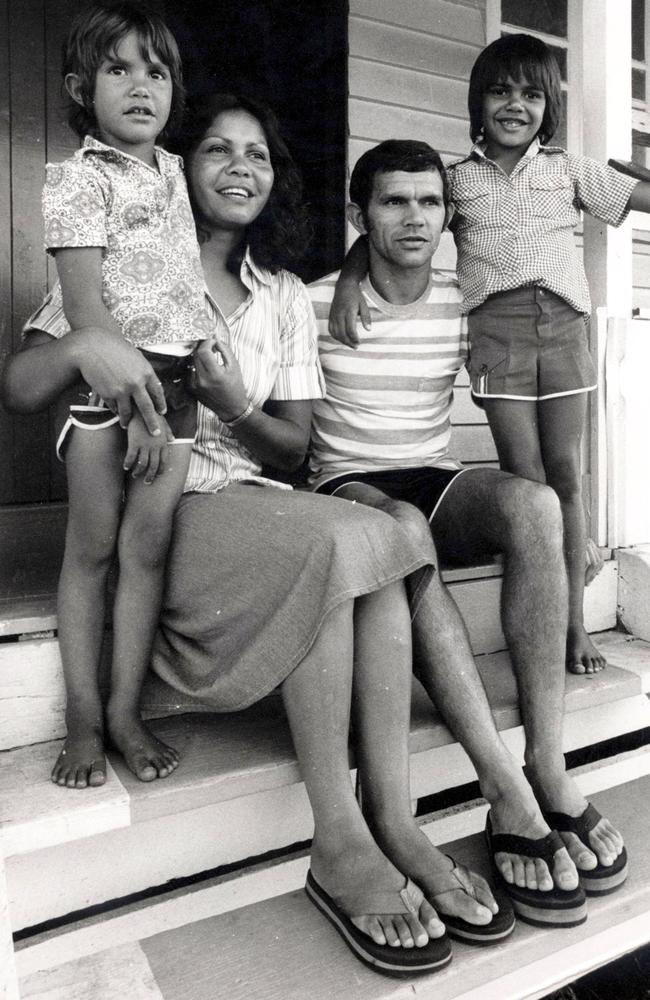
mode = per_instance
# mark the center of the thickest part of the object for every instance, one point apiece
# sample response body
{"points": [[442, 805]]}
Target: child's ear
{"points": [[73, 86], [355, 217]]}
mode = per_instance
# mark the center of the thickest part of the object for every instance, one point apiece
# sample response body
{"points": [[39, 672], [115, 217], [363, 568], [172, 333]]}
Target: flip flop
{"points": [[602, 879], [501, 925], [382, 957], [552, 908]]}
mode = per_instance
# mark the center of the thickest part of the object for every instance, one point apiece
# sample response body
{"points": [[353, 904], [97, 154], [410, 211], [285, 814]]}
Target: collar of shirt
{"points": [[249, 273], [164, 159]]}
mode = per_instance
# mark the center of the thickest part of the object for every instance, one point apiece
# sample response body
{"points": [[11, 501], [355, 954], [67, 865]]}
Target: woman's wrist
{"points": [[240, 417]]}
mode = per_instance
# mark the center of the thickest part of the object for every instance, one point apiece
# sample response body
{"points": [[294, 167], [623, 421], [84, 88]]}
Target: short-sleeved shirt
{"points": [[388, 402], [273, 336], [518, 229], [152, 281]]}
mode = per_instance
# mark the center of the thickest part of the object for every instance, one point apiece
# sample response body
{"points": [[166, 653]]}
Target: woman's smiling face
{"points": [[230, 173]]}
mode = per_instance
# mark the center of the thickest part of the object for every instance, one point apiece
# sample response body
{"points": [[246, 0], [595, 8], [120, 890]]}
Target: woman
{"points": [[269, 587]]}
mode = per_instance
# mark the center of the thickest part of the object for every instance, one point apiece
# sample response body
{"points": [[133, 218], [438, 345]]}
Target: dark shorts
{"points": [[423, 487], [91, 413], [528, 344]]}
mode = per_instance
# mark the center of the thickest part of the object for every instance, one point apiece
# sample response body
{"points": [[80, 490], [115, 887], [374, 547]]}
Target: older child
{"points": [[517, 202], [118, 222]]}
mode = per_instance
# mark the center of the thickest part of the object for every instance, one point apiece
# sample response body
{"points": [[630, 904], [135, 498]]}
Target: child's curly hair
{"points": [[95, 35], [280, 235], [516, 56]]}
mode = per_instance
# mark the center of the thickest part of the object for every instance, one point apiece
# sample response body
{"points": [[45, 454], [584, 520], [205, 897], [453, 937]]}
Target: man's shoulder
{"points": [[323, 288]]}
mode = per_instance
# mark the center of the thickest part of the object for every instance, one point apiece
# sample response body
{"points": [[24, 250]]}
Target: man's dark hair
{"points": [[393, 154], [518, 57]]}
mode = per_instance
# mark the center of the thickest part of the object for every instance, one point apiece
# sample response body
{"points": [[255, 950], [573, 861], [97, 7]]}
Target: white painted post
{"points": [[8, 979], [605, 63]]}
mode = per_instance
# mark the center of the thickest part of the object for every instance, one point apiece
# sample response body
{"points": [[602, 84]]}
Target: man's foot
{"points": [[561, 795], [144, 754], [582, 657], [360, 871], [81, 763], [593, 561]]}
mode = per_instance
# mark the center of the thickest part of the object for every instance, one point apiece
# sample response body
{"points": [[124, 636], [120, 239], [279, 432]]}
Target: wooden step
{"points": [[237, 792], [213, 943], [32, 696]]}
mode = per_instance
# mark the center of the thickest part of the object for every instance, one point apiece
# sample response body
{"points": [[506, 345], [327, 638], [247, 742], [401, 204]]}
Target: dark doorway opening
{"points": [[293, 55]]}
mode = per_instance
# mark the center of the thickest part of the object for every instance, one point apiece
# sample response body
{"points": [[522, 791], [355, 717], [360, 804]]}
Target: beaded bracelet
{"points": [[240, 419]]}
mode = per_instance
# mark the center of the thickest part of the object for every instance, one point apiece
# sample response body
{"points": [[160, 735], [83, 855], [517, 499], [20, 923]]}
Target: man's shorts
{"points": [[173, 373], [528, 344], [424, 487]]}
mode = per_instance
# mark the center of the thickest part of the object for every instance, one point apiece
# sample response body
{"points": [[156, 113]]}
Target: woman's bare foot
{"points": [[582, 657], [81, 763], [561, 794], [144, 754], [359, 868]]}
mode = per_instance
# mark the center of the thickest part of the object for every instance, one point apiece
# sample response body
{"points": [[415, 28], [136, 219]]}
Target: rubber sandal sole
{"points": [[382, 958]]}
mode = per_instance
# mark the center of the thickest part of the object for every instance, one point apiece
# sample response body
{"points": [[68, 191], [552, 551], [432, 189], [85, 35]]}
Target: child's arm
{"points": [[640, 197], [348, 303], [146, 455], [80, 274]]}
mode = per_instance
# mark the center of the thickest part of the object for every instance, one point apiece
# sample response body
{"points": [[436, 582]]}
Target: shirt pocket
{"points": [[552, 196], [473, 203]]}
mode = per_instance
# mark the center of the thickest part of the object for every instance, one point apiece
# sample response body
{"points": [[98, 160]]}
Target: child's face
{"points": [[132, 99], [512, 115]]}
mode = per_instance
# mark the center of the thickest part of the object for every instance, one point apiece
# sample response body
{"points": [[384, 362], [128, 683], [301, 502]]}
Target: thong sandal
{"points": [[382, 957], [552, 908], [602, 879], [501, 925]]}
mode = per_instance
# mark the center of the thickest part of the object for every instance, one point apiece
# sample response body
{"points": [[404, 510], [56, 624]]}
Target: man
{"points": [[381, 437]]}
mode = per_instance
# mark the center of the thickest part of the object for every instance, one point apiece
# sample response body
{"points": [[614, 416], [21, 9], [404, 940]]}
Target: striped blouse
{"points": [[273, 336], [388, 402]]}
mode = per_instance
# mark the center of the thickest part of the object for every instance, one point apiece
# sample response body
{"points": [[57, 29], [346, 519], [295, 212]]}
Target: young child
{"points": [[119, 224], [516, 205]]}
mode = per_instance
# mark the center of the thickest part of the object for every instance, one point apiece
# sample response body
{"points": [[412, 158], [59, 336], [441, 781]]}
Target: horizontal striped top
{"points": [[387, 403], [273, 336]]}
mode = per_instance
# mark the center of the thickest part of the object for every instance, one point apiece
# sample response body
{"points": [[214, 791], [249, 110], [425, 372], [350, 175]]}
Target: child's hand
{"points": [[146, 454], [348, 306]]}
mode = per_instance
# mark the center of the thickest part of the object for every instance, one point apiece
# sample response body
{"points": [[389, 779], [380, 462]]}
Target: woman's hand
{"points": [[217, 380], [146, 454], [118, 372]]}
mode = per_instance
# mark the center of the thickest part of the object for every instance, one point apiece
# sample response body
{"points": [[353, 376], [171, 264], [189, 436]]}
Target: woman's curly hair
{"points": [[279, 236]]}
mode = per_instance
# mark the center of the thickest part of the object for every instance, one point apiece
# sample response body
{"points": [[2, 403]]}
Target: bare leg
{"points": [[446, 667], [95, 477], [143, 543], [522, 520], [382, 702], [561, 422], [345, 859]]}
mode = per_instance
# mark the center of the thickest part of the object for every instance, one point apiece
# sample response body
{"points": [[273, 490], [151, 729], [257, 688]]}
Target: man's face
{"points": [[405, 217]]}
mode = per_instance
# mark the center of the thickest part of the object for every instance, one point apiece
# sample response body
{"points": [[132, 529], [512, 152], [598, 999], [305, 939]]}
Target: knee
{"points": [[144, 545], [531, 513], [564, 476], [91, 547], [413, 521]]}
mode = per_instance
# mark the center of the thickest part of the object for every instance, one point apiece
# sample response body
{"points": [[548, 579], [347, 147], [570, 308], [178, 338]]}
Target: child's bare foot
{"points": [[593, 561], [582, 657], [144, 754], [81, 762]]}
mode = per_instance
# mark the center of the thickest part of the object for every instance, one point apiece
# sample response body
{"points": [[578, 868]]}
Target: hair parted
{"points": [[409, 155], [519, 57], [95, 35], [280, 235]]}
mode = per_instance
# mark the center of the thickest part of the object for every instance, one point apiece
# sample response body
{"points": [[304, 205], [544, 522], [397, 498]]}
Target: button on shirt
{"points": [[518, 229], [274, 338]]}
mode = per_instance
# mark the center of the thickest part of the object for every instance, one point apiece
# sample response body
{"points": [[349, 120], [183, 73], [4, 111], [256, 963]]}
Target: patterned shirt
{"points": [[274, 338], [388, 402], [518, 229], [152, 281]]}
